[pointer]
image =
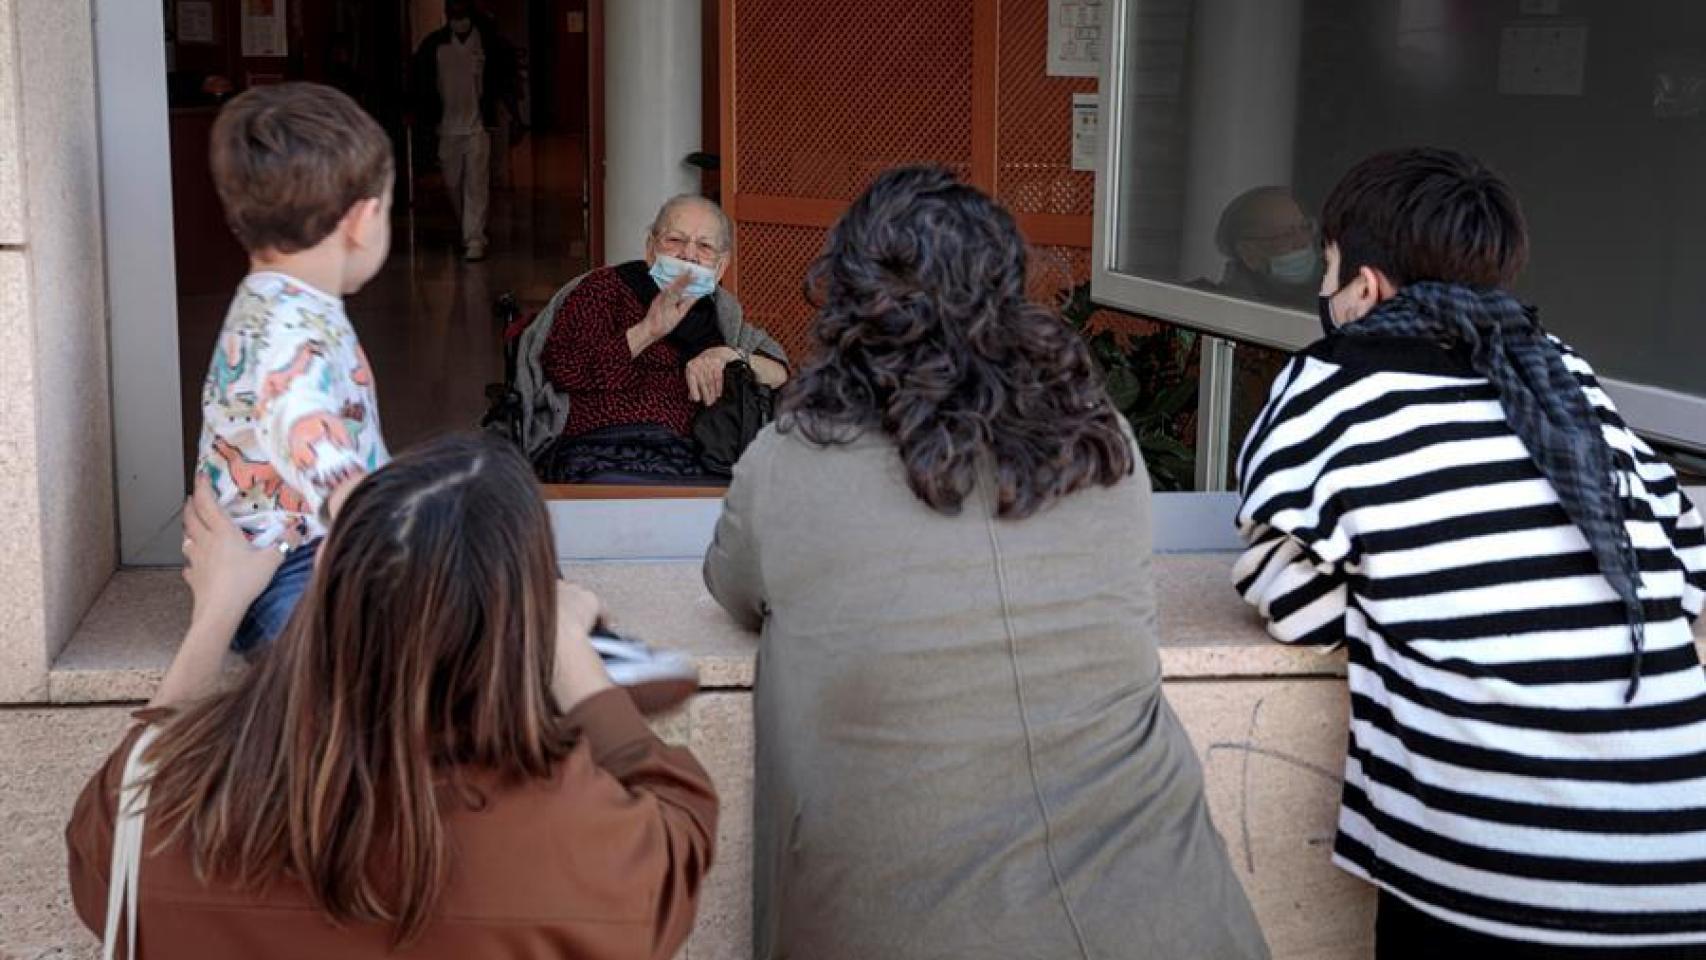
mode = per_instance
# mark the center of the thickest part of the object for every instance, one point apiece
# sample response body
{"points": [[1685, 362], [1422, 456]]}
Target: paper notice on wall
{"points": [[1075, 37], [195, 21], [1543, 60], [264, 29], [1086, 110]]}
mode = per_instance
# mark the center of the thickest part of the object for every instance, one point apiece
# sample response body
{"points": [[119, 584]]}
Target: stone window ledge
{"points": [[126, 642]]}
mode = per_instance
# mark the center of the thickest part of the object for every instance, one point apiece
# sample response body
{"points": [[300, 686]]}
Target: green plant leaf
{"points": [[1123, 387]]}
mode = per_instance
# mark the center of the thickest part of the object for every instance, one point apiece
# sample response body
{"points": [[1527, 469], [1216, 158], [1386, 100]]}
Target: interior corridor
{"points": [[426, 320]]}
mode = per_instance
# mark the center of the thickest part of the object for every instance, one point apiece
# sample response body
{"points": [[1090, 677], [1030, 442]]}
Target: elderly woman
{"points": [[963, 748], [637, 349]]}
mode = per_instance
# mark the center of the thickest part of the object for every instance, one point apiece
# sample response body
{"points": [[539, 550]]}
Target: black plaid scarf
{"points": [[1544, 405]]}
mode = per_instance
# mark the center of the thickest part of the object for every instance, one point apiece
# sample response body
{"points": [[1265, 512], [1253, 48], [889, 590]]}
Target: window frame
{"points": [[142, 310], [1659, 413], [141, 284]]}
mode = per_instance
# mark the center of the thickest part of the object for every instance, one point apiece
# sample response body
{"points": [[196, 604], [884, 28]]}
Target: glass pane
{"points": [[1240, 115], [1253, 371]]}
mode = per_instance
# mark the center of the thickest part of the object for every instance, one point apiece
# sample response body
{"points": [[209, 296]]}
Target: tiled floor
{"points": [[426, 320]]}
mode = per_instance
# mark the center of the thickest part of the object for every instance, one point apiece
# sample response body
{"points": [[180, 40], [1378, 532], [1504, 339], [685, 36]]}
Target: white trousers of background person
{"points": [[467, 162]]}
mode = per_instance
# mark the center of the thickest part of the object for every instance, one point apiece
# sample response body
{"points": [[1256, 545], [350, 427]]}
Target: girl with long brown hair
{"points": [[432, 756]]}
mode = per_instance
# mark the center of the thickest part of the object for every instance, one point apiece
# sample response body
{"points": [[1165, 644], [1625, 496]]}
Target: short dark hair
{"points": [[923, 332], [1427, 214], [290, 159]]}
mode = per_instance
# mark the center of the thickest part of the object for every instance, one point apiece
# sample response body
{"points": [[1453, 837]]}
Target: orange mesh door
{"points": [[1034, 172], [819, 96]]}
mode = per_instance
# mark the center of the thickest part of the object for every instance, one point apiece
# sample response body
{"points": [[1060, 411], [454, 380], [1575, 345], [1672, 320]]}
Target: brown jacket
{"points": [[600, 862]]}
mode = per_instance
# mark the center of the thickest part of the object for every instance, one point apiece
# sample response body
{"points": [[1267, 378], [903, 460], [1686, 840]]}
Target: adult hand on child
{"points": [[224, 572], [579, 672], [225, 575]]}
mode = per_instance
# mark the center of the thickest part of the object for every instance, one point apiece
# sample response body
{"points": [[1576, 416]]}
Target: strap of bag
{"points": [[123, 878]]}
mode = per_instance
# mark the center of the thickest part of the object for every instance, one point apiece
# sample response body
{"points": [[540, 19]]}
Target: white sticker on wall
{"points": [[265, 29], [195, 21], [1542, 60], [1086, 111]]}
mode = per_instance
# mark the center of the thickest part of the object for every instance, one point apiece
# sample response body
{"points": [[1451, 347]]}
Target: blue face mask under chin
{"points": [[701, 281]]}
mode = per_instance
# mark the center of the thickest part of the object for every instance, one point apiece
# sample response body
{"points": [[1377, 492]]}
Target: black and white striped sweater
{"points": [[1495, 777]]}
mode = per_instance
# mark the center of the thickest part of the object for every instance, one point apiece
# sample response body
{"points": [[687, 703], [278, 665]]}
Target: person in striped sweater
{"points": [[1443, 488]]}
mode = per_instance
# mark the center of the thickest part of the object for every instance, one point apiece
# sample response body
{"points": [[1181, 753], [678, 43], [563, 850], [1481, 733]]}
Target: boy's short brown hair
{"points": [[290, 159]]}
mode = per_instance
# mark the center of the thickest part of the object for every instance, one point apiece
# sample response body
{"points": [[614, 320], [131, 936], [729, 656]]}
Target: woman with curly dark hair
{"points": [[962, 745]]}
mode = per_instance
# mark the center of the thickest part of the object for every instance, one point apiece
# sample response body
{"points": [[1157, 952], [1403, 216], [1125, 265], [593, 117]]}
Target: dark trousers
{"points": [[271, 610], [1401, 932], [637, 453]]}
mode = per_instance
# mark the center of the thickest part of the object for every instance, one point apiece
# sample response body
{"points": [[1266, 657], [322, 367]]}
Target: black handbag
{"points": [[722, 430]]}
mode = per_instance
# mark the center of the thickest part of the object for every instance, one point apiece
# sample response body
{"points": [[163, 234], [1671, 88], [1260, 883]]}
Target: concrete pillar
{"points": [[56, 453], [651, 114], [1243, 113]]}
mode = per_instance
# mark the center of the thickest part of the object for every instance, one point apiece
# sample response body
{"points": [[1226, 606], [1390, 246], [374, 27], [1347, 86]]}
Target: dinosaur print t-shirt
{"points": [[288, 410]]}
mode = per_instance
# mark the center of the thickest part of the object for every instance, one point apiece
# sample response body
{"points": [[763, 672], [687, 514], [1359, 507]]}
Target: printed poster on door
{"points": [[264, 30], [1075, 37]]}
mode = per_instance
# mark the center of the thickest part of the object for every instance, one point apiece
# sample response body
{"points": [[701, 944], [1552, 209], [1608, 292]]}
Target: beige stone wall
{"points": [[11, 194], [23, 649], [1271, 751], [56, 474], [68, 309]]}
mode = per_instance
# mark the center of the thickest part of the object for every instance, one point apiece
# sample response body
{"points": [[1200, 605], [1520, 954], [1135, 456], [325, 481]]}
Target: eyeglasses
{"points": [[1303, 231], [676, 244]]}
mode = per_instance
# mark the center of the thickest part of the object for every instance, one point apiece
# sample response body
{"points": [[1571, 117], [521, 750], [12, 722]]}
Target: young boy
{"points": [[289, 415], [1444, 489]]}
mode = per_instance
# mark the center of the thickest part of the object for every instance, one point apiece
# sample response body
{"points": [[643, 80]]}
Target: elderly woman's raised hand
{"points": [[668, 307], [666, 311]]}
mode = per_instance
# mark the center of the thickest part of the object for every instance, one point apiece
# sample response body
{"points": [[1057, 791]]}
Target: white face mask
{"points": [[1298, 267], [701, 282]]}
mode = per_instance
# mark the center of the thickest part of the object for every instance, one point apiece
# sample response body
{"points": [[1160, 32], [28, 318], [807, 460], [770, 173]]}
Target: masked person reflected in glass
{"points": [[1271, 250]]}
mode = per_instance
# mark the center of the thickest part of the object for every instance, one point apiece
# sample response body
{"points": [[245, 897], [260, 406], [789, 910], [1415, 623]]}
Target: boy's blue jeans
{"points": [[271, 610]]}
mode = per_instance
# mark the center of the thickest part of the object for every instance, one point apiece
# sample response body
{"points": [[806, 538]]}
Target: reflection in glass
{"points": [[1239, 115], [1271, 250]]}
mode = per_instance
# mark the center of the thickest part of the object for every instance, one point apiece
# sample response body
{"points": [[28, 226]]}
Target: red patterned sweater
{"points": [[586, 357]]}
